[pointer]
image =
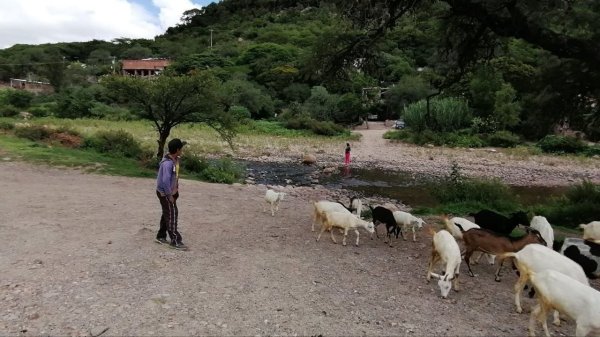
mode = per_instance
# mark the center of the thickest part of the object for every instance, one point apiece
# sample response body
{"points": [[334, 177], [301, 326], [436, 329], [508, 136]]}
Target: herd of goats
{"points": [[559, 279]]}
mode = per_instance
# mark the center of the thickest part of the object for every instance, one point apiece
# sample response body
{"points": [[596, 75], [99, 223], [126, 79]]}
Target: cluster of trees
{"points": [[519, 66]]}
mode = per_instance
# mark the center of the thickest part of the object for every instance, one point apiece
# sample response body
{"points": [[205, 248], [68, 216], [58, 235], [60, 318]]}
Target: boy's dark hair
{"points": [[175, 144]]}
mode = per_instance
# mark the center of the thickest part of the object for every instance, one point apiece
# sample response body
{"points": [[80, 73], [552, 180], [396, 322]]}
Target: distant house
{"points": [[31, 86], [144, 67]]}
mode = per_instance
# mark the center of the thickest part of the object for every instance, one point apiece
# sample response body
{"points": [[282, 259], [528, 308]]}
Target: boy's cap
{"points": [[175, 144]]}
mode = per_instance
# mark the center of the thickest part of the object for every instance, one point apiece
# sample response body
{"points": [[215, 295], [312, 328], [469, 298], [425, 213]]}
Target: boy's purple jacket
{"points": [[166, 180]]}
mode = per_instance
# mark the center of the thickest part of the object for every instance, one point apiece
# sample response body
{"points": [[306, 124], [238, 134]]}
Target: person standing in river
{"points": [[347, 154]]}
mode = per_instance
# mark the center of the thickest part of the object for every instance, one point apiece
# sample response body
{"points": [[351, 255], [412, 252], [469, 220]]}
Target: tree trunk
{"points": [[162, 140]]}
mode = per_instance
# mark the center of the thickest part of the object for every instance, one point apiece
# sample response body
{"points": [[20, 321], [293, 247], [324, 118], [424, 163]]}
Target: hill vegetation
{"points": [[492, 69]]}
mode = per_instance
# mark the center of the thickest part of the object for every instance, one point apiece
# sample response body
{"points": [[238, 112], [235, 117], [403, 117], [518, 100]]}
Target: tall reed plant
{"points": [[446, 114]]}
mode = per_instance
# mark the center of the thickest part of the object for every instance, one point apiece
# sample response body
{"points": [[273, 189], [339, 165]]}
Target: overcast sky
{"points": [[50, 21]]}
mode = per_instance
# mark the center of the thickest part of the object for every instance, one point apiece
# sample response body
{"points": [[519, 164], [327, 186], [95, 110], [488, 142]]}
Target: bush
{"points": [[224, 170], [4, 125], [580, 204], [8, 111], [561, 144], [111, 113], [503, 139], [458, 189], [33, 132], [118, 143], [447, 114], [324, 128], [19, 98], [41, 111], [591, 151]]}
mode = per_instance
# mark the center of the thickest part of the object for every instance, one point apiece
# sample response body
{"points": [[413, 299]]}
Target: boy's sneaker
{"points": [[161, 241], [178, 246]]}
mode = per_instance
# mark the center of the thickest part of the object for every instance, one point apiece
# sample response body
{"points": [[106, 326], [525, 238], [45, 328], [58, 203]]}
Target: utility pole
{"points": [[211, 30]]}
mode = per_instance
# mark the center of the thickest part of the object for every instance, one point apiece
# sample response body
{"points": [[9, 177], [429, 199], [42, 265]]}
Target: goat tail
{"points": [[507, 255]]}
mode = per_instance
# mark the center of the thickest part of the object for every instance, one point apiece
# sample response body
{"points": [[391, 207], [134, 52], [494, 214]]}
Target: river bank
{"points": [[509, 165]]}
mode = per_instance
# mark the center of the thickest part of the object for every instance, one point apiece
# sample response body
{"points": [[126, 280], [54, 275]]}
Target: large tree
{"points": [[170, 100]]}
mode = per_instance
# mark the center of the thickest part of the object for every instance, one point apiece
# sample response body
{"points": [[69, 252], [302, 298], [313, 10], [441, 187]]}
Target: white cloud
{"points": [[51, 21], [170, 11]]}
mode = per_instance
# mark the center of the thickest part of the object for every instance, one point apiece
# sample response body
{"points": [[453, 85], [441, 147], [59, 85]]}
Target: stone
{"points": [[309, 159], [97, 331]]}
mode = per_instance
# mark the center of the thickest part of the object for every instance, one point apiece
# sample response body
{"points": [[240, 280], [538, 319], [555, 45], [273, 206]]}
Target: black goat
{"points": [[499, 223], [383, 215]]}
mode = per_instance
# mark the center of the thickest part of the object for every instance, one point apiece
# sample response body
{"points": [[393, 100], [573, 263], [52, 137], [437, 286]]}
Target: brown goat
{"points": [[486, 241]]}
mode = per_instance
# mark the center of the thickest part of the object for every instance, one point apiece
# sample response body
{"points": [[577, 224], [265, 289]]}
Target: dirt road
{"points": [[79, 258]]}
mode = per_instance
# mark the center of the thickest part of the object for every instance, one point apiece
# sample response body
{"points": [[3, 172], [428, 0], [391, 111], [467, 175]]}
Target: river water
{"points": [[409, 188]]}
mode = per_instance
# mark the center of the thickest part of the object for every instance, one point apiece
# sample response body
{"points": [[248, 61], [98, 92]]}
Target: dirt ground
{"points": [[79, 259]]}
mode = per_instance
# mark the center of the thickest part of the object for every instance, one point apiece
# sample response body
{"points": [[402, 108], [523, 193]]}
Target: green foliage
{"points": [[115, 143], [74, 103], [33, 132], [111, 112], [8, 111], [446, 114], [19, 98], [561, 144], [249, 95], [408, 90], [223, 170], [503, 139], [42, 110], [455, 188], [452, 139], [6, 125], [579, 205], [506, 106], [305, 122]]}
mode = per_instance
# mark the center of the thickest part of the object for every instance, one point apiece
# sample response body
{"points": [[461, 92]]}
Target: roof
{"points": [[145, 64]]}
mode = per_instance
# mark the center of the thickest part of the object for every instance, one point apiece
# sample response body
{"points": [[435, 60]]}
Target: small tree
{"points": [[171, 100]]}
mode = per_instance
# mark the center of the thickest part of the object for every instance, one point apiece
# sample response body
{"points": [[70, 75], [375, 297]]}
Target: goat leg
{"points": [[468, 254], [497, 276], [357, 236]]}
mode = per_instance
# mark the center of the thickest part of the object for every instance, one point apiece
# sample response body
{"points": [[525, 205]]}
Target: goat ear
{"points": [[437, 276]]}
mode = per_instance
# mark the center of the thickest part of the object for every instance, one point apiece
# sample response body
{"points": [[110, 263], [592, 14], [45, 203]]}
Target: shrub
{"points": [[458, 189], [118, 143], [33, 132], [561, 144], [111, 113], [5, 125], [40, 111], [19, 98], [324, 128], [447, 114], [224, 170], [8, 111], [503, 139], [580, 204], [591, 151]]}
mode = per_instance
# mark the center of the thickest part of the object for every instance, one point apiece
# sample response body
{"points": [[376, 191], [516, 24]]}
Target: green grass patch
{"points": [[88, 160]]}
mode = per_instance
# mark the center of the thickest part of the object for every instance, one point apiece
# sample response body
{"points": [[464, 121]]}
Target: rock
{"points": [[329, 170], [249, 181], [309, 159], [97, 331], [33, 316]]}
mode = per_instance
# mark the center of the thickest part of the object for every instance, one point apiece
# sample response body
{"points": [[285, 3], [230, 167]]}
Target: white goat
{"points": [[591, 231], [543, 226], [451, 227], [444, 247], [560, 292], [345, 221], [323, 206], [273, 198], [537, 258], [405, 219]]}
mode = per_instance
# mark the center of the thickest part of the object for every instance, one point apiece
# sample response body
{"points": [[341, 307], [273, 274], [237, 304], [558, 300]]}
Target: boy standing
{"points": [[167, 191]]}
